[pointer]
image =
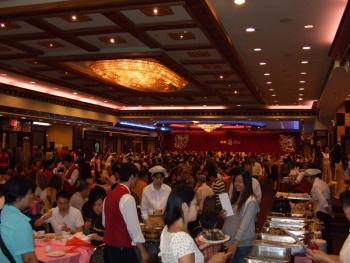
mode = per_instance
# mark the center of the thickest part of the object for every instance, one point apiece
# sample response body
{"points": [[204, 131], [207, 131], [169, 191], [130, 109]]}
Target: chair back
{"points": [[97, 255], [209, 204]]}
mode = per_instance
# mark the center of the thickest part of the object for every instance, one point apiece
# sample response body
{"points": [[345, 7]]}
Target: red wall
{"points": [[253, 142]]}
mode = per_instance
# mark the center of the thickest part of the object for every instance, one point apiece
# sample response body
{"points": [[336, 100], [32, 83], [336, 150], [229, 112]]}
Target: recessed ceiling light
{"points": [[300, 99], [236, 91], [221, 77], [112, 40], [105, 101], [271, 89], [66, 72], [239, 2], [308, 26], [2, 25], [276, 101], [55, 88], [301, 88], [32, 82], [304, 62], [302, 81], [302, 73], [267, 74], [74, 18], [273, 95], [23, 118], [306, 48], [238, 105], [269, 82], [204, 105], [300, 94], [262, 63], [75, 93], [3, 74], [250, 29], [257, 49], [67, 123], [155, 11]]}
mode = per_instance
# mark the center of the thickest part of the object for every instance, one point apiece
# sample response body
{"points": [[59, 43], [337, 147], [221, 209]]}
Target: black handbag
{"points": [[4, 248]]}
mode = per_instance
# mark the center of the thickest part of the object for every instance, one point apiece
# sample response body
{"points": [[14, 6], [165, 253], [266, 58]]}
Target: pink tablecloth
{"points": [[79, 254]]}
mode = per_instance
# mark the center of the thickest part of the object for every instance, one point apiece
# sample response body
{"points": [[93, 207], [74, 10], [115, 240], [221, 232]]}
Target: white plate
{"points": [[201, 238], [57, 253]]}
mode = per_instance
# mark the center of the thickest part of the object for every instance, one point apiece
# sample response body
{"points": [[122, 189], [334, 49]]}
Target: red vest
{"points": [[116, 233], [66, 186]]}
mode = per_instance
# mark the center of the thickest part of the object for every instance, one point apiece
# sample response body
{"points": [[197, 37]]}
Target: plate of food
{"points": [[57, 253], [213, 236]]}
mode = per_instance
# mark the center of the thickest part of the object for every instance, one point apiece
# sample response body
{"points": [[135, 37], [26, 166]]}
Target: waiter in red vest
{"points": [[70, 176], [122, 229]]}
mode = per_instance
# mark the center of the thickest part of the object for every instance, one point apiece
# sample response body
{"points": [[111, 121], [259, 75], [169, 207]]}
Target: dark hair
{"points": [[17, 187], [47, 163], [179, 195], [97, 190], [80, 153], [142, 174], [236, 170], [83, 186], [63, 194], [345, 198], [126, 170], [42, 180], [67, 158], [208, 220], [55, 182], [248, 190], [99, 196]]}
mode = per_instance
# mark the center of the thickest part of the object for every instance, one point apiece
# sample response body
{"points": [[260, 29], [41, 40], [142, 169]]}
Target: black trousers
{"points": [[119, 255], [326, 232]]}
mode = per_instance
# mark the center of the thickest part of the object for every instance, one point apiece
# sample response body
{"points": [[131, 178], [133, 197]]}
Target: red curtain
{"points": [[233, 141]]}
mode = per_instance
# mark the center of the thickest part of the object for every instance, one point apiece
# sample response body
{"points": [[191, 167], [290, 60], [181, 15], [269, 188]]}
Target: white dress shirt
{"points": [[256, 169], [153, 199], [320, 192], [202, 192]]}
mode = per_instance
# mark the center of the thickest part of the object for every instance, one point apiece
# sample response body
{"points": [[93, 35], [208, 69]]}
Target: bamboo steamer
{"points": [[157, 220]]}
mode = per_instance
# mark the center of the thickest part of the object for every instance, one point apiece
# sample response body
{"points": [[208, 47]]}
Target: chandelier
{"points": [[139, 75], [208, 127]]}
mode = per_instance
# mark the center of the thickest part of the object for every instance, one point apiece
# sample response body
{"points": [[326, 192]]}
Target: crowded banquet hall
{"points": [[174, 131]]}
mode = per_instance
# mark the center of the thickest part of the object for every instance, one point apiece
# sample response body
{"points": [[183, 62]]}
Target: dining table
{"points": [[61, 253]]}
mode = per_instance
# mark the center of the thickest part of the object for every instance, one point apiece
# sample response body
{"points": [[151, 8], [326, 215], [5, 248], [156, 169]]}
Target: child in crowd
{"points": [[207, 221]]}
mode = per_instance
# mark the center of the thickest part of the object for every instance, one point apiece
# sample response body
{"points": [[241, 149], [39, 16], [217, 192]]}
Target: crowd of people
{"points": [[167, 183]]}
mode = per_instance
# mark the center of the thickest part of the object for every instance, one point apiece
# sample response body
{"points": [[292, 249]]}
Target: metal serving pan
{"points": [[295, 248], [255, 260], [270, 230], [274, 214], [274, 253], [291, 220], [292, 227], [274, 238]]}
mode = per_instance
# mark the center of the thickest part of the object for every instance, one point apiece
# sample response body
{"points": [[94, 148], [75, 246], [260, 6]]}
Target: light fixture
{"points": [[302, 73], [239, 2], [141, 75], [273, 95], [301, 88], [308, 26], [304, 62], [306, 48], [41, 123], [300, 99], [257, 49], [266, 74], [302, 81], [271, 89], [262, 63], [208, 127], [269, 82], [250, 29]]}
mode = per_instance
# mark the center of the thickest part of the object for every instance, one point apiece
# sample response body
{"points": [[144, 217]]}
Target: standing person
{"points": [[70, 176], [320, 192], [16, 232], [141, 184], [344, 255], [326, 168], [335, 156], [155, 195], [48, 168], [257, 171], [78, 198], [275, 170], [218, 187], [203, 191], [176, 245], [98, 167], [39, 154], [121, 220], [84, 166], [4, 160], [241, 226]]}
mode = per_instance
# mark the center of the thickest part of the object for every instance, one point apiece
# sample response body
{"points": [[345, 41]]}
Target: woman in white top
{"points": [[344, 255], [176, 245]]}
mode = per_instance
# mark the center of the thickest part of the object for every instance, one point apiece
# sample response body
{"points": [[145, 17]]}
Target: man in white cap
{"points": [[320, 192], [155, 195]]}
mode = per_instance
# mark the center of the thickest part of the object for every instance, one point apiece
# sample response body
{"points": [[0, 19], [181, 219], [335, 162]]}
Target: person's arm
{"points": [[29, 257], [40, 221], [143, 251], [189, 258], [318, 195], [144, 205], [319, 255]]}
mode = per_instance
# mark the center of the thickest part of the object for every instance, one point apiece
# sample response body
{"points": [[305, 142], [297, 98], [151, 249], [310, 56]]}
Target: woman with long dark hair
{"points": [[241, 226], [176, 245]]}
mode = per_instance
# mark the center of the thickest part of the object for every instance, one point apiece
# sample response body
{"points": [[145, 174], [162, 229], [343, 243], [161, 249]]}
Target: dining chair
{"points": [[97, 254]]}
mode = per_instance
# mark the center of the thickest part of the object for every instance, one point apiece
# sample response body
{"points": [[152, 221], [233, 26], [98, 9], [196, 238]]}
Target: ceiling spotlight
{"points": [[75, 93], [74, 18], [300, 94], [273, 95], [2, 25], [308, 26], [112, 40], [302, 81], [276, 100], [306, 48], [105, 101], [250, 29], [262, 63], [304, 62], [91, 97], [302, 73], [271, 89], [239, 2], [32, 82], [238, 105], [257, 49], [269, 82], [237, 92], [155, 11], [301, 88], [300, 99], [267, 74]]}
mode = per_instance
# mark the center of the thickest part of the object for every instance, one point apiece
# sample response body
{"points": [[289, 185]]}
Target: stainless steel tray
{"points": [[291, 220], [274, 253], [295, 196], [293, 227], [274, 214], [255, 260], [267, 230], [295, 248], [274, 238]]}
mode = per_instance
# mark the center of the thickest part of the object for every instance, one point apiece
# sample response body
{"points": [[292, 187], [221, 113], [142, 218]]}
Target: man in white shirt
{"points": [[155, 195], [78, 199], [320, 192], [63, 217], [203, 191], [257, 171]]}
